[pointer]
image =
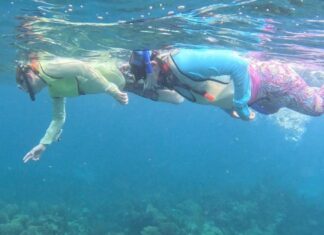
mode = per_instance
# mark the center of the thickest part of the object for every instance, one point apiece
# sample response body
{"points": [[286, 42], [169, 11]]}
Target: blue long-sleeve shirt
{"points": [[202, 64]]}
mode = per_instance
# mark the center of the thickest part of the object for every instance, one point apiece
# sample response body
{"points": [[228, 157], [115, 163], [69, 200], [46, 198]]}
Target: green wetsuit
{"points": [[69, 78]]}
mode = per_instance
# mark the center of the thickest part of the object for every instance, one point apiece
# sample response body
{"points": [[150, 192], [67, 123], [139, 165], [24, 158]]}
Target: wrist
{"points": [[243, 112], [43, 146], [112, 89]]}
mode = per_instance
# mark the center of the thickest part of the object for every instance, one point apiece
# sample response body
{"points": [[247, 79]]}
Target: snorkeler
{"points": [[146, 85], [67, 77], [232, 82]]}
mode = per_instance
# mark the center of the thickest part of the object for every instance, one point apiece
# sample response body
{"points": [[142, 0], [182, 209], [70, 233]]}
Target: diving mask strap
{"points": [[23, 75], [29, 89]]}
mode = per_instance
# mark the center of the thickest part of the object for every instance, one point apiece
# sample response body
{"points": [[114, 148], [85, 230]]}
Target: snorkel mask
{"points": [[22, 78]]}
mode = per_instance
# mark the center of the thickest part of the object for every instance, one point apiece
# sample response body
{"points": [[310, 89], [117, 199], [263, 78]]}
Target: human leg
{"points": [[282, 87]]}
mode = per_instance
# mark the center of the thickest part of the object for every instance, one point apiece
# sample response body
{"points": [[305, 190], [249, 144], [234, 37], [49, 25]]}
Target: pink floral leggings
{"points": [[280, 86]]}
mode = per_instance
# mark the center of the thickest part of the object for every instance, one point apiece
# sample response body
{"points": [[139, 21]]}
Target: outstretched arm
{"points": [[169, 96], [53, 132], [156, 94]]}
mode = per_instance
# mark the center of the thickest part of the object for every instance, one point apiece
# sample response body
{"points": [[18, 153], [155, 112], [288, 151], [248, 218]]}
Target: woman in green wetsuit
{"points": [[66, 77]]}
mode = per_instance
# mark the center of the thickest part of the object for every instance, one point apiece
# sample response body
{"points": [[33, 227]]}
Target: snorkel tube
{"points": [[147, 62], [140, 62]]}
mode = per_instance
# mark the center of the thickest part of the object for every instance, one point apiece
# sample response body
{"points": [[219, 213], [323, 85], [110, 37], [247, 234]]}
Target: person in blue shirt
{"points": [[236, 83], [202, 76]]}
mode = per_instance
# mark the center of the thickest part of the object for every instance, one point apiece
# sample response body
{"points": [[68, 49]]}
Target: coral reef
{"points": [[258, 211]]}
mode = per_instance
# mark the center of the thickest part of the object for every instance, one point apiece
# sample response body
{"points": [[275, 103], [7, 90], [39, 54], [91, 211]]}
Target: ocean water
{"points": [[151, 168]]}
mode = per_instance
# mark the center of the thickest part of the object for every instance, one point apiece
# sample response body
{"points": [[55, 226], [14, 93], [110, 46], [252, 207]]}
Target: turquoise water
{"points": [[152, 168]]}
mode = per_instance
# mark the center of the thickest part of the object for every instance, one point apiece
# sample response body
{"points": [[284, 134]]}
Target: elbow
{"points": [[62, 121], [178, 99]]}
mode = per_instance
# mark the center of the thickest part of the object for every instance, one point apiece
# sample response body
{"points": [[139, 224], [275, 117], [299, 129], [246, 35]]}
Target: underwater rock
{"points": [[20, 219], [11, 210], [191, 227], [76, 228], [33, 209], [170, 228], [190, 208], [12, 228], [156, 215], [112, 233], [255, 230], [31, 230], [3, 217], [150, 230], [210, 229], [189, 215]]}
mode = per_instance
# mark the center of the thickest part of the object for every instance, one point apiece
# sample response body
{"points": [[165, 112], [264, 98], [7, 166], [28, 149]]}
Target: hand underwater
{"points": [[251, 117], [121, 97], [35, 153]]}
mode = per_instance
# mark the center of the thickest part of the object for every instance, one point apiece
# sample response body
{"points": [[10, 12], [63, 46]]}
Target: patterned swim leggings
{"points": [[280, 86]]}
